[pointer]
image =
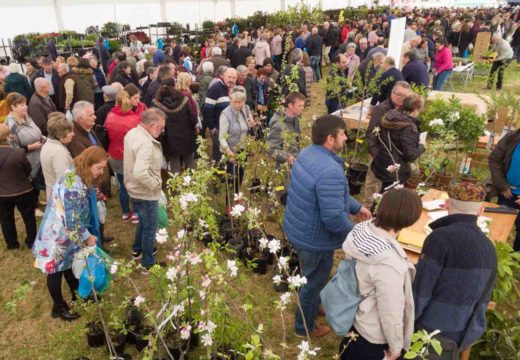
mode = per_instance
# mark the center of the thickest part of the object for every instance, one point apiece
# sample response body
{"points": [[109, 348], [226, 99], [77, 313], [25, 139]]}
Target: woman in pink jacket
{"points": [[443, 64]]}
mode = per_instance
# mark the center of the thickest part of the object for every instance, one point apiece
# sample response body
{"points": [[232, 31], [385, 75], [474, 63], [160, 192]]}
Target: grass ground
{"points": [[28, 332]]}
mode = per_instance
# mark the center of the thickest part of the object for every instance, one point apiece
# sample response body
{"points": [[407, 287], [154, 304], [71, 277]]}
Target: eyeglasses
{"points": [[399, 94]]}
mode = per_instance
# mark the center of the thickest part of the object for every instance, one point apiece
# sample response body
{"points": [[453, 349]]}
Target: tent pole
{"points": [[59, 18]]}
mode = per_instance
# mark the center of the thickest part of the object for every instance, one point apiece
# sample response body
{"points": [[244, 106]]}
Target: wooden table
{"points": [[351, 115], [499, 229], [466, 99]]}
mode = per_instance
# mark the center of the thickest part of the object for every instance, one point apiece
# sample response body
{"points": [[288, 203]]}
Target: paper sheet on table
{"points": [[410, 237], [434, 215], [422, 137], [433, 204]]}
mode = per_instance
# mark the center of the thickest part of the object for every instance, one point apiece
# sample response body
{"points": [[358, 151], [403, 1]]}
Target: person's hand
{"points": [[507, 193], [364, 214], [391, 356], [231, 155], [517, 201], [35, 146], [92, 240], [251, 123], [212, 132], [291, 159]]}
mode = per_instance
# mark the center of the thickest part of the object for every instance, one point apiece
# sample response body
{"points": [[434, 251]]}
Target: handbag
{"points": [[341, 298]]}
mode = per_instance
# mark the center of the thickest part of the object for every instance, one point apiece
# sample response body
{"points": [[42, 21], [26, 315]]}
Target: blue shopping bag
{"points": [[97, 266]]}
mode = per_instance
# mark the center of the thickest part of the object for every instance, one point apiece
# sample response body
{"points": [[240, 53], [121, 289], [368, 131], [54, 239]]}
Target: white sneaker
{"points": [[38, 213]]}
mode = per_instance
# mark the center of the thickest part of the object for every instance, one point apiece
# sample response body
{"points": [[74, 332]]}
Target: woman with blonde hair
{"points": [[183, 83], [55, 157], [125, 116], [251, 66], [70, 222]]}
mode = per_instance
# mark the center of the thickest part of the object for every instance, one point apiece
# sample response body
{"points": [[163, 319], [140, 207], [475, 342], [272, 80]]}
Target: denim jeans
{"points": [[315, 65], [441, 79], [148, 213], [315, 266], [124, 199], [511, 203], [277, 59]]}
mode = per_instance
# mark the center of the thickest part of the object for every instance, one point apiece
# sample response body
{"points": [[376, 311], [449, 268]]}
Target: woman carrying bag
{"points": [[70, 223], [384, 321]]}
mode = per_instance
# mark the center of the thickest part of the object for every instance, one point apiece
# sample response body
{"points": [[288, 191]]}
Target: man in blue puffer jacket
{"points": [[317, 214]]}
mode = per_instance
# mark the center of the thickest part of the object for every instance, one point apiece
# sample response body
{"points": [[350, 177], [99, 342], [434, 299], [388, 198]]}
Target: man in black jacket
{"points": [[241, 54], [314, 48], [164, 73], [390, 76], [328, 36], [296, 58], [414, 71], [504, 165]]}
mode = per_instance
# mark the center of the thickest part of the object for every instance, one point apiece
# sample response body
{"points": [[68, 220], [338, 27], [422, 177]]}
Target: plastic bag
{"points": [[102, 211], [79, 262], [163, 201], [163, 217], [97, 266]]}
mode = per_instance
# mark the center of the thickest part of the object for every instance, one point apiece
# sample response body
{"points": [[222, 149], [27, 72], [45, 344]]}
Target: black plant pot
{"points": [[255, 186], [227, 230], [255, 235], [95, 334], [140, 338], [119, 343], [261, 264], [236, 244], [355, 187], [194, 340], [123, 356], [357, 172]]}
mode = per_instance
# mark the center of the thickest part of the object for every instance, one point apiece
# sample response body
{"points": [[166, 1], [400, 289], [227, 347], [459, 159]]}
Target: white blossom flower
{"points": [[185, 332], [285, 298], [393, 168], [277, 279], [262, 243], [178, 309], [274, 246], [209, 327], [203, 224], [181, 234], [206, 282], [206, 340], [306, 351], [237, 210], [113, 268], [138, 300], [232, 266], [202, 295], [171, 274], [194, 259], [238, 197], [185, 199], [283, 263], [186, 181], [296, 281], [436, 122], [255, 212], [377, 196], [161, 236], [455, 115]]}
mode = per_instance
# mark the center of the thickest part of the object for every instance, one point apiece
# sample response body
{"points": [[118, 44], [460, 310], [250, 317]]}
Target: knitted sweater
{"points": [[454, 269]]}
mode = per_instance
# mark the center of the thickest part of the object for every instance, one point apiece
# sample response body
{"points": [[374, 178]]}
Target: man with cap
{"points": [[109, 95], [456, 271]]}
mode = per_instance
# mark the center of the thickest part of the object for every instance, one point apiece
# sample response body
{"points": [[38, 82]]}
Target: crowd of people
{"points": [[69, 125]]}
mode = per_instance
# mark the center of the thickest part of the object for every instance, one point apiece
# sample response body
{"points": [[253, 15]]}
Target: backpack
{"points": [[341, 298]]}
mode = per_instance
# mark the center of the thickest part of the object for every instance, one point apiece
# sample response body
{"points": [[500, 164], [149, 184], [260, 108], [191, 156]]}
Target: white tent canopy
{"points": [[23, 16]]}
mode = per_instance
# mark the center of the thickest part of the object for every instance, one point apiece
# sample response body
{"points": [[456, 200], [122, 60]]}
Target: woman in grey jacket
{"points": [[235, 122], [384, 321]]}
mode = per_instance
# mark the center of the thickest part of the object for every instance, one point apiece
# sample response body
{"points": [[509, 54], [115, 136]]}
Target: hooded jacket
{"points": [[400, 133], [84, 85], [386, 316], [261, 51], [179, 133]]}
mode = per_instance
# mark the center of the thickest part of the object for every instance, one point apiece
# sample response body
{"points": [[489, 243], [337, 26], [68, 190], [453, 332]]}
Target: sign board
{"points": [[395, 44], [481, 47]]}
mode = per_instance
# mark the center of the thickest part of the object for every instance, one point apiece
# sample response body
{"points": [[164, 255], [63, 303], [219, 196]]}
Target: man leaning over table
{"points": [[456, 272], [504, 165]]}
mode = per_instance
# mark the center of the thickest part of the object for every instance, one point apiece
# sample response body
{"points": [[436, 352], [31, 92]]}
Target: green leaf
{"points": [[417, 346], [436, 345], [410, 355]]}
